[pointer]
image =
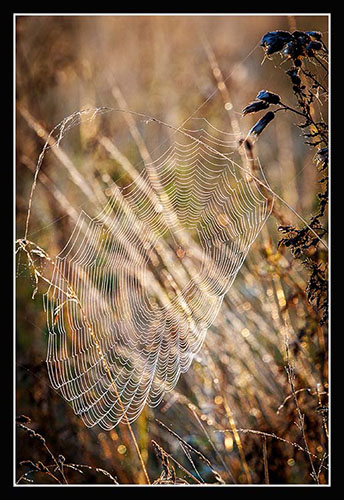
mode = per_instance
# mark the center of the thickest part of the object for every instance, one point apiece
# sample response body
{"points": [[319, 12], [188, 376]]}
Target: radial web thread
{"points": [[148, 276]]}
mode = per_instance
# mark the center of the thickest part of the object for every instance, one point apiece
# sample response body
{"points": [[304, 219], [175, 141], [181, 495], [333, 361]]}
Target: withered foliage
{"points": [[168, 473], [298, 49], [52, 472], [240, 415]]}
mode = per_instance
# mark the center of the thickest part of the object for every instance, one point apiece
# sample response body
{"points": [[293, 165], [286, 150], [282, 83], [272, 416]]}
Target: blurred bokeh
{"points": [[171, 68]]}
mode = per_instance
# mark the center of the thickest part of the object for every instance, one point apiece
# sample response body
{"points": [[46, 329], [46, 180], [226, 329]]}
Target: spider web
{"points": [[136, 288]]}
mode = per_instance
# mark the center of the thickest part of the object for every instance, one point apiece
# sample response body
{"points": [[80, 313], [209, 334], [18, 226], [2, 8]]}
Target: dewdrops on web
{"points": [[150, 273], [218, 400], [245, 332], [122, 449]]}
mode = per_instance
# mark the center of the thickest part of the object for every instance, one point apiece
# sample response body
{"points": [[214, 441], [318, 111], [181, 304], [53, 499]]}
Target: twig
{"points": [[211, 443], [300, 416], [191, 448], [177, 463], [274, 436], [265, 460], [237, 439]]}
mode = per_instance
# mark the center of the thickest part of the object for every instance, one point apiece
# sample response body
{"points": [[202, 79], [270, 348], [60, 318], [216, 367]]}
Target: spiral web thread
{"points": [[139, 285]]}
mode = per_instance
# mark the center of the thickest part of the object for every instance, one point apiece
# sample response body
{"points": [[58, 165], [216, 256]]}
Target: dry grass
{"points": [[252, 409]]}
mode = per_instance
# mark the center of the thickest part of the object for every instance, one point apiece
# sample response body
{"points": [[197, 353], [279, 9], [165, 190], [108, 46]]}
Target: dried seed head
{"points": [[301, 36], [323, 154], [258, 128], [293, 45], [301, 45], [294, 49], [317, 35], [255, 106], [269, 97], [313, 46], [274, 41], [293, 73]]}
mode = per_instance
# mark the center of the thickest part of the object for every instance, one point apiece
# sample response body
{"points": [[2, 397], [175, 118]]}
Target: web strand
{"points": [[130, 315]]}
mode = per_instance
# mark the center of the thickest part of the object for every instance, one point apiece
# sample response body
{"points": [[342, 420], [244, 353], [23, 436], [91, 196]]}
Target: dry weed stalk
{"points": [[169, 474]]}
